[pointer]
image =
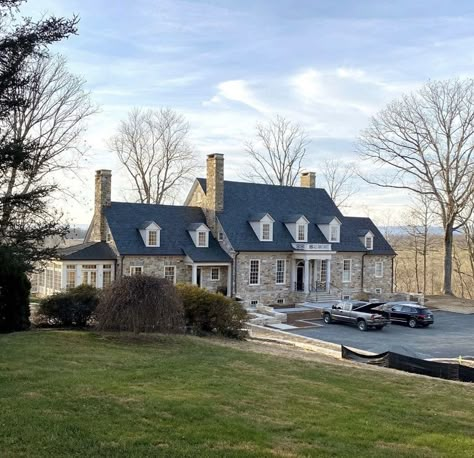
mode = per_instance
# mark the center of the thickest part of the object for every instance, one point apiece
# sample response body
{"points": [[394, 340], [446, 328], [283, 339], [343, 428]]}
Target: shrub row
{"points": [[146, 304]]}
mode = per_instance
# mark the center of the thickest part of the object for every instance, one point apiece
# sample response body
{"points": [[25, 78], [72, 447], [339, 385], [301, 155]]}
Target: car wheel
{"points": [[412, 323], [362, 325], [327, 318]]}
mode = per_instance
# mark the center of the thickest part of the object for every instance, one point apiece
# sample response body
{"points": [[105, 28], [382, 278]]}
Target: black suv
{"points": [[409, 313]]}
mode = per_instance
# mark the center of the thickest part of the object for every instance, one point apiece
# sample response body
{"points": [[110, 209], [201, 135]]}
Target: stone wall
{"points": [[267, 292], [371, 282], [155, 265], [214, 285], [337, 285]]}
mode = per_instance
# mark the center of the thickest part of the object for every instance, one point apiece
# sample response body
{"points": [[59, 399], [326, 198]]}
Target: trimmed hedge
{"points": [[73, 308], [212, 313]]}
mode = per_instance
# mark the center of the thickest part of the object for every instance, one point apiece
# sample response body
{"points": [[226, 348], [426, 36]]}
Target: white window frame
{"points": [[220, 236], [378, 274], [106, 269], [205, 243], [280, 301], [334, 237], [86, 271], [258, 272], [344, 279], [148, 235], [262, 232], [378, 290], [280, 272], [346, 297], [174, 273], [254, 302], [305, 232], [70, 269], [218, 274], [133, 270], [369, 246]]}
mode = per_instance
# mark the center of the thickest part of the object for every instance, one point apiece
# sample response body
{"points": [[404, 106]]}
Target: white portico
{"points": [[311, 267]]}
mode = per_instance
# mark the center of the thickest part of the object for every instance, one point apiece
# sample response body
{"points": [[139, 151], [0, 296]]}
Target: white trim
{"points": [[379, 263], [174, 272], [305, 232], [270, 231], [250, 272], [350, 270], [136, 267], [206, 238], [337, 237], [157, 237], [277, 271]]}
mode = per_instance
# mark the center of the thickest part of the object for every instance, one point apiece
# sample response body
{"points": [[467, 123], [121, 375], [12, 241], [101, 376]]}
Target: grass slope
{"points": [[82, 394]]}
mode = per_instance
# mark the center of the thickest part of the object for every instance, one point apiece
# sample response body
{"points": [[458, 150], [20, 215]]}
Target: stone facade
{"points": [[308, 180], [102, 198], [340, 287], [373, 282], [267, 291], [155, 265], [214, 285]]}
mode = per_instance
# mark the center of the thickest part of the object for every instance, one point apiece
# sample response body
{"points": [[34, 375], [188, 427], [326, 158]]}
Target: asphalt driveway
{"points": [[451, 335]]}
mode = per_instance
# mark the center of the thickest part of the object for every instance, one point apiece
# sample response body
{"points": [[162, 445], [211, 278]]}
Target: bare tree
{"points": [[153, 147], [339, 178], [424, 143], [277, 155]]}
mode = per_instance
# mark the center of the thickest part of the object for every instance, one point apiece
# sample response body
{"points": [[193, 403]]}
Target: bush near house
{"points": [[14, 293], [141, 303], [207, 312], [71, 308]]}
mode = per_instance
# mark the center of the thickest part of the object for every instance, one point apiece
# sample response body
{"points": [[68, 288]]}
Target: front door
{"points": [[300, 276]]}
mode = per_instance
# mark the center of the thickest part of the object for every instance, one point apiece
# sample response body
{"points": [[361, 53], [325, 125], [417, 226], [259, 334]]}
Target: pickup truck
{"points": [[358, 313]]}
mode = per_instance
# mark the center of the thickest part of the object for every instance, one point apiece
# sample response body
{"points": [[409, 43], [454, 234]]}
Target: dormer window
{"points": [[202, 238], [150, 232], [152, 238], [334, 232], [301, 232], [330, 226], [266, 231], [262, 225], [369, 241], [199, 232]]}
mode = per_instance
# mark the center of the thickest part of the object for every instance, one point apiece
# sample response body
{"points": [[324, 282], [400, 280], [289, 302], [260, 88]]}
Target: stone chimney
{"points": [[215, 182], [308, 180], [102, 199]]}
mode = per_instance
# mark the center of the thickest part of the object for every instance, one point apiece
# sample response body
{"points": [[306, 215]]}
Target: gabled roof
{"points": [[174, 222], [242, 199], [91, 251], [146, 225], [293, 218], [365, 225], [254, 217], [196, 226]]}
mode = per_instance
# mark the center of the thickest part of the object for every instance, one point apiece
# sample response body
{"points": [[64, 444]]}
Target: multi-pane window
{"points": [[107, 275], [170, 273], [379, 269], [220, 236], [215, 273], [152, 238], [254, 273], [266, 231], [280, 271], [136, 270], [89, 274], [369, 242], [57, 280], [49, 278], [70, 276], [301, 232], [334, 233], [346, 270], [202, 238]]}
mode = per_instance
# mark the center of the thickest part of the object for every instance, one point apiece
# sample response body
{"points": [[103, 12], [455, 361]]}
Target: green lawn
{"points": [[82, 394]]}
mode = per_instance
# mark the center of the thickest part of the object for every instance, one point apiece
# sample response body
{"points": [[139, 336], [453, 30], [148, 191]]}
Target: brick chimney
{"points": [[215, 182], [102, 199], [308, 180]]}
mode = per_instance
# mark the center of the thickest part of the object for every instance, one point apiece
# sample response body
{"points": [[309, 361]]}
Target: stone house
{"points": [[262, 243]]}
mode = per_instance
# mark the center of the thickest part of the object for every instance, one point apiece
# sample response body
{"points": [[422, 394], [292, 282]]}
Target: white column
{"points": [[229, 281], [194, 274], [328, 275], [306, 276]]}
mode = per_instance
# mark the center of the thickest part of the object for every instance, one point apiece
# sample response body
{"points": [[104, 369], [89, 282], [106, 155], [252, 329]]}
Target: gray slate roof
{"points": [[91, 251], [241, 200], [123, 219]]}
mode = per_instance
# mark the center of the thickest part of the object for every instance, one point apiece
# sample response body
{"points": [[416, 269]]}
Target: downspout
{"points": [[121, 266], [362, 273], [393, 273], [235, 273]]}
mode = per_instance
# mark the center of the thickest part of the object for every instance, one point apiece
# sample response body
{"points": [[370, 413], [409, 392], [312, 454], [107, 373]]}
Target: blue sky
{"points": [[328, 65]]}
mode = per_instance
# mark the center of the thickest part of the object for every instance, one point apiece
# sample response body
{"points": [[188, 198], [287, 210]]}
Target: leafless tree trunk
{"points": [[50, 122], [424, 143], [339, 178], [277, 155], [153, 146]]}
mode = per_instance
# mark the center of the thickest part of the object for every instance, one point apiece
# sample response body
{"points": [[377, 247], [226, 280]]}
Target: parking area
{"points": [[452, 335]]}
